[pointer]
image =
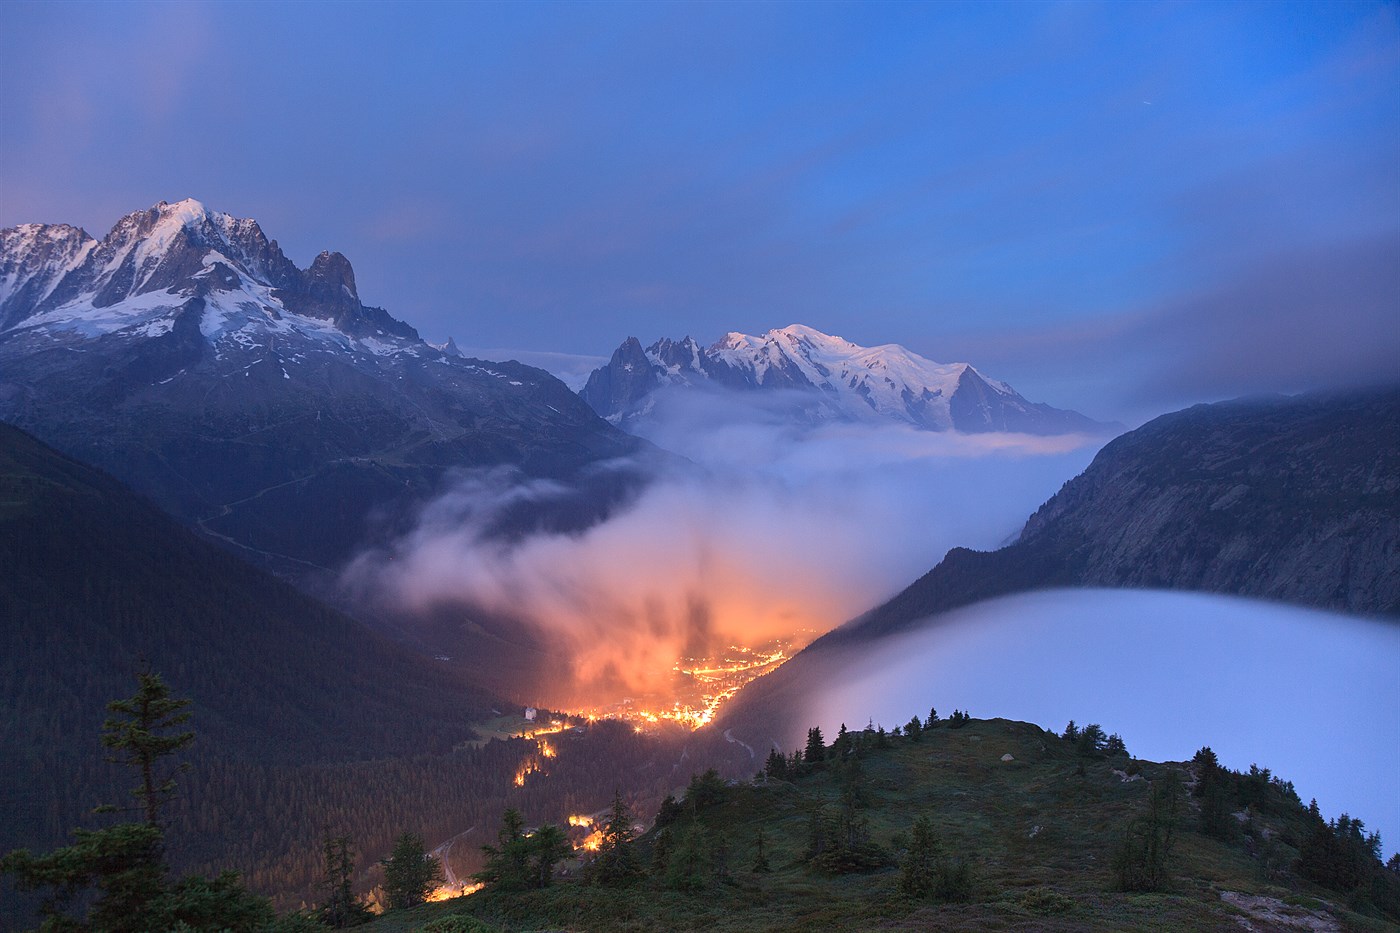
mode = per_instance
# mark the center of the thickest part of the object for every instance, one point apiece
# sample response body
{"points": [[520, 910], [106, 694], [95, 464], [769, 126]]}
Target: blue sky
{"points": [[1121, 207]]}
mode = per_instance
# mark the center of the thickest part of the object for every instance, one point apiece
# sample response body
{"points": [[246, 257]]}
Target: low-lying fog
{"points": [[1314, 696], [778, 528]]}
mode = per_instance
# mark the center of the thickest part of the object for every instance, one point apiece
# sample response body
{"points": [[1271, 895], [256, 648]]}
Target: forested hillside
{"points": [[306, 720]]}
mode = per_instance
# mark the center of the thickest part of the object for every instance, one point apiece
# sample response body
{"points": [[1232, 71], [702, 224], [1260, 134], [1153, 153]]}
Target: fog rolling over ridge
{"points": [[776, 530], [1308, 694]]}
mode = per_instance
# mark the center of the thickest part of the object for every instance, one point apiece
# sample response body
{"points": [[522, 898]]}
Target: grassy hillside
{"points": [[1036, 820]]}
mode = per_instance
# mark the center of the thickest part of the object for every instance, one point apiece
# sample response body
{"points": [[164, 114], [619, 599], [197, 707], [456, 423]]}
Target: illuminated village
{"points": [[703, 685]]}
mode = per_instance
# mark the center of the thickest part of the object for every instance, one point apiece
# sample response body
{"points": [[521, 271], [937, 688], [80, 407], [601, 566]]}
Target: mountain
{"points": [[1291, 499], [188, 356], [844, 381]]}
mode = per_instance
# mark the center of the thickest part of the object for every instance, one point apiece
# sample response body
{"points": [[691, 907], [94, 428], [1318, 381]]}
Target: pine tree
{"points": [[760, 858], [410, 873], [616, 862], [815, 752], [704, 791], [690, 867], [123, 862], [842, 746], [507, 862], [918, 870], [1141, 861], [1211, 788], [548, 845], [126, 862], [138, 733], [1092, 740], [776, 766], [928, 872], [341, 908]]}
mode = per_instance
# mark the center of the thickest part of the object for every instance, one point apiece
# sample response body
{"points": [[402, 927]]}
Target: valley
{"points": [[711, 647], [939, 467]]}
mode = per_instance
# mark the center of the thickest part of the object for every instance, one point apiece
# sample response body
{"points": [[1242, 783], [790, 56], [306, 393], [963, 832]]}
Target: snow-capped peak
{"points": [[155, 261], [851, 381], [185, 213]]}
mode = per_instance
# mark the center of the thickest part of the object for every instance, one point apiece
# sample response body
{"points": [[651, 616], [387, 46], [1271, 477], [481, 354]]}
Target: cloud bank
{"points": [[1309, 694], [774, 531]]}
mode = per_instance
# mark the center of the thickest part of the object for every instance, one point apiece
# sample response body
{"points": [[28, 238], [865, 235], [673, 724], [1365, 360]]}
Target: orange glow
{"points": [[702, 685], [447, 892], [547, 750], [549, 728], [531, 765], [594, 838]]}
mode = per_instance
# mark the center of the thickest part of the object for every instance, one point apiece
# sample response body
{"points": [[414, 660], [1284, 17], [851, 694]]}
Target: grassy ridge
{"points": [[1040, 831]]}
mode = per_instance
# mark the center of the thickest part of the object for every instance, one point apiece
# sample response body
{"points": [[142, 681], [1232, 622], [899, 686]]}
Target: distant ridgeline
{"points": [[1294, 499]]}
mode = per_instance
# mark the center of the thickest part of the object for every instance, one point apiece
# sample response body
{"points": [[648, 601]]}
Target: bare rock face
{"points": [[1294, 499], [186, 355], [623, 383]]}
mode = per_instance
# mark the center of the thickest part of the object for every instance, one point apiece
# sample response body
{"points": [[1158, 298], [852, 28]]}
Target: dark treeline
{"points": [[279, 827], [269, 821]]}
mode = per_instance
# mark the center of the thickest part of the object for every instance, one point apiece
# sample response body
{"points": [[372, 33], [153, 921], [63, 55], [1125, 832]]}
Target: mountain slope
{"points": [[185, 354], [1293, 499], [845, 381], [99, 582], [306, 721], [1290, 499]]}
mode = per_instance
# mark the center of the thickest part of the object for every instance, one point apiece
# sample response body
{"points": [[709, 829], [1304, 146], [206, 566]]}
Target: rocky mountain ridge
{"points": [[1292, 499], [844, 381], [184, 353]]}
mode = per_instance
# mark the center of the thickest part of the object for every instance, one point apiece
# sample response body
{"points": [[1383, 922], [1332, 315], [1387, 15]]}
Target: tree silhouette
{"points": [[341, 908], [616, 862], [410, 873], [126, 862], [138, 734]]}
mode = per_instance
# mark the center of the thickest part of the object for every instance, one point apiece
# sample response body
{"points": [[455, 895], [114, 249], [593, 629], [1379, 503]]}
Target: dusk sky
{"points": [[1120, 208]]}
